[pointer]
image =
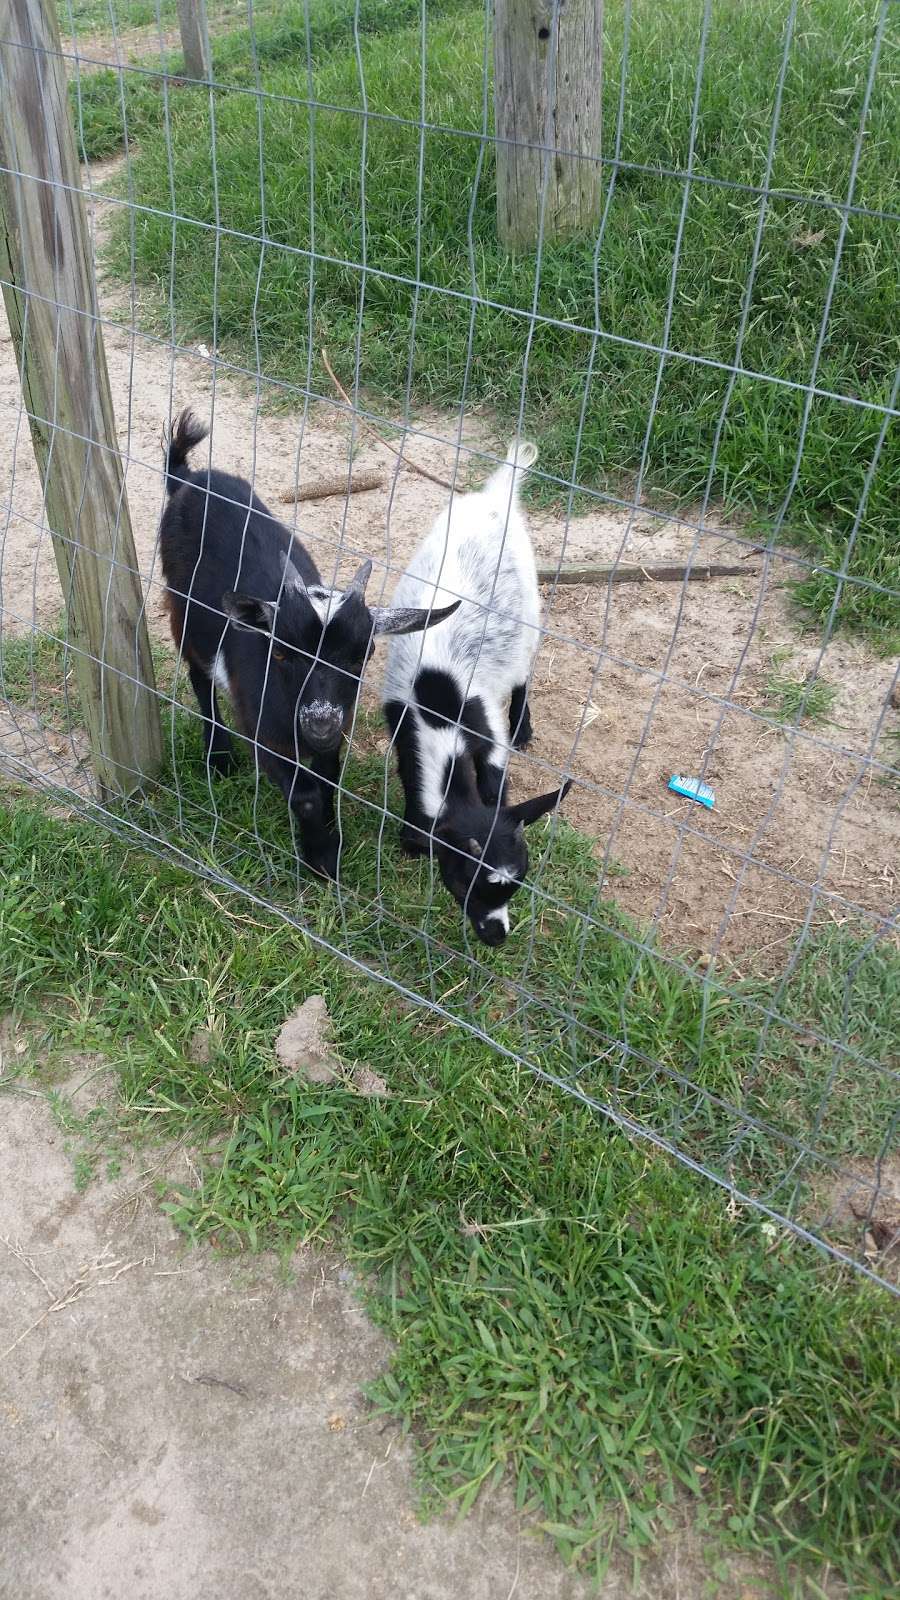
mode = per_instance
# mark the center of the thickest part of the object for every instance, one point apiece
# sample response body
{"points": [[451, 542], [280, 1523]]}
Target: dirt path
{"points": [[622, 697], [178, 1425], [190, 1427]]}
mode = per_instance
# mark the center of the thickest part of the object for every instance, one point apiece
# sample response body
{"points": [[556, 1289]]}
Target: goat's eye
{"points": [[279, 655]]}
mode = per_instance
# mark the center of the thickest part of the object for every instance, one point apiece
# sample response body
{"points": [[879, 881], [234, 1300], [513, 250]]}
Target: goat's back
{"points": [[479, 549], [217, 535]]}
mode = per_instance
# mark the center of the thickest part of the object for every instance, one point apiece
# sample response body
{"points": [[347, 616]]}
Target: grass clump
{"points": [[34, 673], [806, 699], [567, 1306], [345, 189]]}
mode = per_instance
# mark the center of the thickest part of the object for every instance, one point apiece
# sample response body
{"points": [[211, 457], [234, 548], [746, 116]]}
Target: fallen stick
{"points": [[423, 473], [569, 572], [360, 480], [618, 572]]}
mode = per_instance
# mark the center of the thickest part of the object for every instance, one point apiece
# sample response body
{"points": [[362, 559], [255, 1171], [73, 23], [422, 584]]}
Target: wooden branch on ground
{"points": [[422, 472], [571, 572], [361, 479]]}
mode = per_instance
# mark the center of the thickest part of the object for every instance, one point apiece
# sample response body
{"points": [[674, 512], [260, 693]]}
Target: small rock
{"points": [[201, 1047], [368, 1082], [304, 1044]]}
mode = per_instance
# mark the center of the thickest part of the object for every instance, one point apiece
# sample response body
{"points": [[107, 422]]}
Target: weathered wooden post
{"points": [[51, 301], [195, 39], [548, 56]]}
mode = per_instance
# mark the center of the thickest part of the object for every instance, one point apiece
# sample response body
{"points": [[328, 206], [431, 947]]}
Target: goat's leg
{"points": [[491, 753], [520, 729], [321, 840], [414, 840], [415, 835], [306, 796], [216, 738]]}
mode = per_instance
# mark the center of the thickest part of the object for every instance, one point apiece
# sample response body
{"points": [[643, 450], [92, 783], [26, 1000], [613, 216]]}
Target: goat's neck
{"points": [[462, 789]]}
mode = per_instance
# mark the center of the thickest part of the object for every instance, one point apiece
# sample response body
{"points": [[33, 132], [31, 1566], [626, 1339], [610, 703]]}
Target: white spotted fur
{"points": [[479, 549], [501, 915]]}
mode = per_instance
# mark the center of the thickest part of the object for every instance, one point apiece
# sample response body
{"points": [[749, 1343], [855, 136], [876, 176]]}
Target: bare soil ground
{"points": [[634, 682], [175, 1423], [152, 43]]}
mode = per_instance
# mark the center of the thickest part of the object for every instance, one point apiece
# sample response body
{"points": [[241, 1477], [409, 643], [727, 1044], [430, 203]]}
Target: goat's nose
{"points": [[322, 725]]}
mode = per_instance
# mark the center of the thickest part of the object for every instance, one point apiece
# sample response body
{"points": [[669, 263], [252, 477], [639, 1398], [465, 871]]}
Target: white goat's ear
{"points": [[360, 579], [409, 619], [246, 611]]}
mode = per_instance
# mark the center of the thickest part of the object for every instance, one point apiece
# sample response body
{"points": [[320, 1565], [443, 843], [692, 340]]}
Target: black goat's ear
{"points": [[248, 612], [360, 579], [409, 619], [528, 811]]}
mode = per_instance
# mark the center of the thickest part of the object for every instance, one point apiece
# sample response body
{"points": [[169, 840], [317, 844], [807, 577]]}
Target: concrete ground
{"points": [[178, 1426]]}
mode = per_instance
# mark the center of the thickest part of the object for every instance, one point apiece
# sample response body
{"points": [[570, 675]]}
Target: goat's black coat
{"points": [[249, 612], [479, 839]]}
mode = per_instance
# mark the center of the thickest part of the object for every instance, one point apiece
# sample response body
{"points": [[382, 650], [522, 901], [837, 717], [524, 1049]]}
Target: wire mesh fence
{"points": [[710, 374]]}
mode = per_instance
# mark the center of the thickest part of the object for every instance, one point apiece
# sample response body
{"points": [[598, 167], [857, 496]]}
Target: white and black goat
{"points": [[251, 616], [455, 700]]}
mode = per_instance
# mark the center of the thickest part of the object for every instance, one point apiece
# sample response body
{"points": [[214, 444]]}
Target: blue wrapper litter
{"points": [[692, 789]]}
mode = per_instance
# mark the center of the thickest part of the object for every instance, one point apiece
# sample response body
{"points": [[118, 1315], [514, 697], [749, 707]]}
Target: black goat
{"points": [[251, 616]]}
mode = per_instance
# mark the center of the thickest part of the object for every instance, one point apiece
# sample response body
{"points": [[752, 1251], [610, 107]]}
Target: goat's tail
{"points": [[503, 485], [183, 435]]}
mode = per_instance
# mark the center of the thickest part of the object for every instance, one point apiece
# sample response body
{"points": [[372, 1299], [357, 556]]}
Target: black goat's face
{"points": [[321, 641], [483, 859]]}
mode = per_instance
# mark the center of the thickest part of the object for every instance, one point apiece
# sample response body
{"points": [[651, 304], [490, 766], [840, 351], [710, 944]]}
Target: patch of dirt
{"points": [[304, 1045], [368, 1084], [31, 752], [14, 1043], [85, 53], [634, 682], [154, 43], [179, 1424], [803, 821], [865, 1214]]}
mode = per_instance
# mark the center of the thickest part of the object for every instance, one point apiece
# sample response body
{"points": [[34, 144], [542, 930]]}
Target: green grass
{"points": [[268, 295], [675, 1055], [567, 1307], [33, 673], [809, 699]]}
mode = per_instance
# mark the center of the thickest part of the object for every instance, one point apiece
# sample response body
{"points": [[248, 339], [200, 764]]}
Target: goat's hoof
{"points": [[323, 861], [414, 841], [222, 762], [523, 736]]}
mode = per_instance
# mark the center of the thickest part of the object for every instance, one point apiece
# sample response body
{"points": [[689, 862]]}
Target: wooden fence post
{"points": [[548, 56], [51, 301], [195, 39]]}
